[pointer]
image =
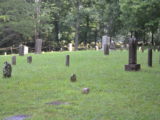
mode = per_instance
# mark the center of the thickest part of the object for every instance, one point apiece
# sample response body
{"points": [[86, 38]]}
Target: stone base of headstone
{"points": [[132, 67]]}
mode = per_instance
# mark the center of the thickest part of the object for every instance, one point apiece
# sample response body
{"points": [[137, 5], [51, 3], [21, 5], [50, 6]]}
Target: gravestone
{"points": [[29, 59], [7, 70], [113, 45], [70, 47], [158, 48], [38, 46], [67, 60], [73, 78], [5, 53], [25, 50], [13, 60], [150, 57], [21, 50], [85, 90], [96, 47], [106, 49], [132, 66], [105, 40]]}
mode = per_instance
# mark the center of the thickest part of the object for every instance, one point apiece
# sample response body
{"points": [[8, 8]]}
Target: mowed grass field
{"points": [[114, 93]]}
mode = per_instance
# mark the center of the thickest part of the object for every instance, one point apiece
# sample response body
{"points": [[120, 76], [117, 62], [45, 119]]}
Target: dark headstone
{"points": [[106, 49], [85, 90], [150, 57], [142, 49], [13, 60], [7, 70], [38, 46], [29, 59], [18, 117], [67, 60], [73, 78], [21, 50], [158, 48], [132, 66]]}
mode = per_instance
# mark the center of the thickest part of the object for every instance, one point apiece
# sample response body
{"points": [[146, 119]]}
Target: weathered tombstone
{"points": [[29, 59], [21, 50], [106, 49], [132, 66], [150, 57], [25, 50], [67, 60], [7, 70], [96, 47], [105, 40], [142, 49], [158, 48], [70, 47], [38, 46], [5, 53], [73, 78], [113, 45], [85, 90], [13, 60]]}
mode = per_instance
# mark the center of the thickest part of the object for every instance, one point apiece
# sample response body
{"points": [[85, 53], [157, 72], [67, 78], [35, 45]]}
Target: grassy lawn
{"points": [[114, 93]]}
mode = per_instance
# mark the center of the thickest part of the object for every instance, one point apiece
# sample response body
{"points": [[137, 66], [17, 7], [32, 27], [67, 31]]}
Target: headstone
{"points": [[29, 59], [25, 50], [132, 66], [70, 47], [38, 46], [158, 48], [96, 47], [5, 53], [150, 57], [113, 45], [67, 60], [85, 90], [106, 49], [13, 60], [21, 50], [7, 70], [142, 49], [73, 78], [105, 40]]}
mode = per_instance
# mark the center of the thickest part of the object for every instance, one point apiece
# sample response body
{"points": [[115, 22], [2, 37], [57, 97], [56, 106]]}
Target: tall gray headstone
{"points": [[67, 60], [105, 40], [132, 66], [13, 60], [21, 50], [38, 46]]}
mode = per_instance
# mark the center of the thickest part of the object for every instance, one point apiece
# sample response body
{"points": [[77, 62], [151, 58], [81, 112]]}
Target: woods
{"points": [[84, 22]]}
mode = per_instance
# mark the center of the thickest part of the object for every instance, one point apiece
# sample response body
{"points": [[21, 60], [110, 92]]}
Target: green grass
{"points": [[114, 93]]}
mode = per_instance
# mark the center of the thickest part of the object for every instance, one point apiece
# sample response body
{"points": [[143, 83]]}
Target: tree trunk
{"points": [[152, 40], [87, 30], [77, 27], [56, 30]]}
